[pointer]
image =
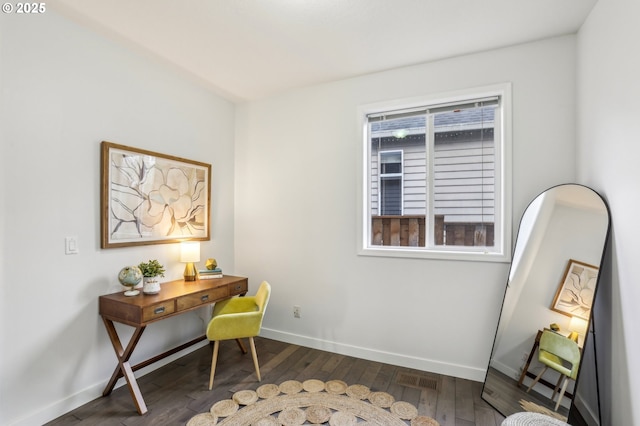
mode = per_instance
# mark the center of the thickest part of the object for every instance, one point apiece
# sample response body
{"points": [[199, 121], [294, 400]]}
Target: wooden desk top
{"points": [[175, 297]]}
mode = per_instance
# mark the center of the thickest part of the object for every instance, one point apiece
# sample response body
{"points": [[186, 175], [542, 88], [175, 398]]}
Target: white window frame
{"points": [[503, 170], [388, 175]]}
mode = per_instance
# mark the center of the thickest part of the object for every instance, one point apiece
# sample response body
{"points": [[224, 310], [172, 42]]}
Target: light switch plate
{"points": [[71, 245]]}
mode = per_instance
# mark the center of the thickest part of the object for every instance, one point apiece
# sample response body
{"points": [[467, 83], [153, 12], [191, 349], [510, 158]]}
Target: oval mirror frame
{"points": [[553, 279]]}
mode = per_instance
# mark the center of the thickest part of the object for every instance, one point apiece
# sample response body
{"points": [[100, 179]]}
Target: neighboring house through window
{"points": [[437, 177]]}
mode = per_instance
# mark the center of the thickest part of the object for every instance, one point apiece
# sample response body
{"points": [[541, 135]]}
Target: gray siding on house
{"points": [[464, 165], [464, 178], [415, 174]]}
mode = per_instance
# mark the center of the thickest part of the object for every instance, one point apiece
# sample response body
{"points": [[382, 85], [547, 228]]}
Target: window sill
{"points": [[452, 254]]}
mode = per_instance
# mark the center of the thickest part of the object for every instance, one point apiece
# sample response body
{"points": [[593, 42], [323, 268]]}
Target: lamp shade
{"points": [[189, 251], [578, 325]]}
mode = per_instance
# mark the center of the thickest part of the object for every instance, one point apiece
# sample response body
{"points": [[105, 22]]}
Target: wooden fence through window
{"points": [[409, 231]]}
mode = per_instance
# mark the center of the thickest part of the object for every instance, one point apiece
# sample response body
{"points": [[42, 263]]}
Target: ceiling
{"points": [[250, 49]]}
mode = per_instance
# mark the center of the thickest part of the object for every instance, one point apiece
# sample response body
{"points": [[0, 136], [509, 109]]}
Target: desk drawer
{"points": [[238, 288], [202, 298], [158, 310]]}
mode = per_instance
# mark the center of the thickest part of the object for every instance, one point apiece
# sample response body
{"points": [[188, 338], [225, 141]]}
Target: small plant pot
{"points": [[151, 285]]}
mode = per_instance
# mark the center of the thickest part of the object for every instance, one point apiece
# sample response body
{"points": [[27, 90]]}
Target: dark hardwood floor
{"points": [[179, 390], [504, 393]]}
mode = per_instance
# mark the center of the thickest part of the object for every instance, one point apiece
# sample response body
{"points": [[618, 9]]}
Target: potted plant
{"points": [[150, 271]]}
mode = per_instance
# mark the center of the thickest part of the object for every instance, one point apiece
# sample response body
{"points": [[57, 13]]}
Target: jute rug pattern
{"points": [[312, 402], [535, 408]]}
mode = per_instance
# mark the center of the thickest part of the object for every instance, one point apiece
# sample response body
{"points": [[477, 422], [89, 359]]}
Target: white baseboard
{"points": [[92, 392], [448, 369], [505, 369]]}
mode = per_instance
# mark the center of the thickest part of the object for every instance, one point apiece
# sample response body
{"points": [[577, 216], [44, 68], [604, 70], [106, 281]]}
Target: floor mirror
{"points": [[547, 309]]}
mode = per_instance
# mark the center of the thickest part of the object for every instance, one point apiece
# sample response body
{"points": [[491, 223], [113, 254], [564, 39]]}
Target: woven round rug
{"points": [[535, 408], [311, 402], [313, 385], [290, 387], [245, 397], [268, 391], [336, 386], [224, 408], [358, 391], [532, 419], [381, 399]]}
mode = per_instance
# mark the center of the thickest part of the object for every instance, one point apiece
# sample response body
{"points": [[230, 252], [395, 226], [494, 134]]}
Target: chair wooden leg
{"points": [[241, 346], [557, 388], [564, 387], [537, 378], [214, 360], [255, 357]]}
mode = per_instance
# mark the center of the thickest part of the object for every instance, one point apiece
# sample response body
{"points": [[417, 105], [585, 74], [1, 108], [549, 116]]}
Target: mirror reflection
{"points": [[538, 350]]}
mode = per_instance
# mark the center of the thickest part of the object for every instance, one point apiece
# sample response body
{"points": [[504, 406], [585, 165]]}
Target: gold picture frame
{"points": [[575, 293], [152, 198]]}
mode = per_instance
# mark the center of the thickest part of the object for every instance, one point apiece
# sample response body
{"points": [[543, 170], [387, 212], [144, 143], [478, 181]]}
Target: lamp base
{"points": [[190, 272], [573, 336]]}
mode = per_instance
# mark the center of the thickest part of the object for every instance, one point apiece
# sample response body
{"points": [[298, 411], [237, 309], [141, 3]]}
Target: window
{"points": [[436, 176], [390, 183]]}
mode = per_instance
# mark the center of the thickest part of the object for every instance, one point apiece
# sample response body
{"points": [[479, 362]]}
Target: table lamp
{"points": [[189, 253], [578, 328]]}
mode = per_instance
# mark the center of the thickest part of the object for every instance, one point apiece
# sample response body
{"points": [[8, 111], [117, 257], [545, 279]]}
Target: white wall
{"points": [[608, 153], [297, 158], [63, 90]]}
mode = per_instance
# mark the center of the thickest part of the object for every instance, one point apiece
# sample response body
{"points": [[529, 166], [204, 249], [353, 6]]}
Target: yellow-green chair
{"points": [[238, 318], [561, 354]]}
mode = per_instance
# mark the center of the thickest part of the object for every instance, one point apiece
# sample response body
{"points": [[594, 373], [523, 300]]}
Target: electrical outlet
{"points": [[296, 311]]}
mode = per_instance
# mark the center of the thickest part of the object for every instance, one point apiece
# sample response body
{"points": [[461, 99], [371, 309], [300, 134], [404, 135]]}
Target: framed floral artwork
{"points": [[574, 296], [152, 198]]}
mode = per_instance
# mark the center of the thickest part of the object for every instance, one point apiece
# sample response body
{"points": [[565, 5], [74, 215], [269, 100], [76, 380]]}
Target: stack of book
{"points": [[207, 274]]}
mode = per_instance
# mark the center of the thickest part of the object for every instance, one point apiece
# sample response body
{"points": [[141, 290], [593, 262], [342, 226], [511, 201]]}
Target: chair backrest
{"points": [[562, 347], [262, 296]]}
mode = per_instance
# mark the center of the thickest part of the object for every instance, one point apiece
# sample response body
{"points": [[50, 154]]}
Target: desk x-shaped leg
{"points": [[124, 368]]}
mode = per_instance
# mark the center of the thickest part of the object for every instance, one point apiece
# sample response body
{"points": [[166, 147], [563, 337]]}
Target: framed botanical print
{"points": [[152, 198], [574, 296]]}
